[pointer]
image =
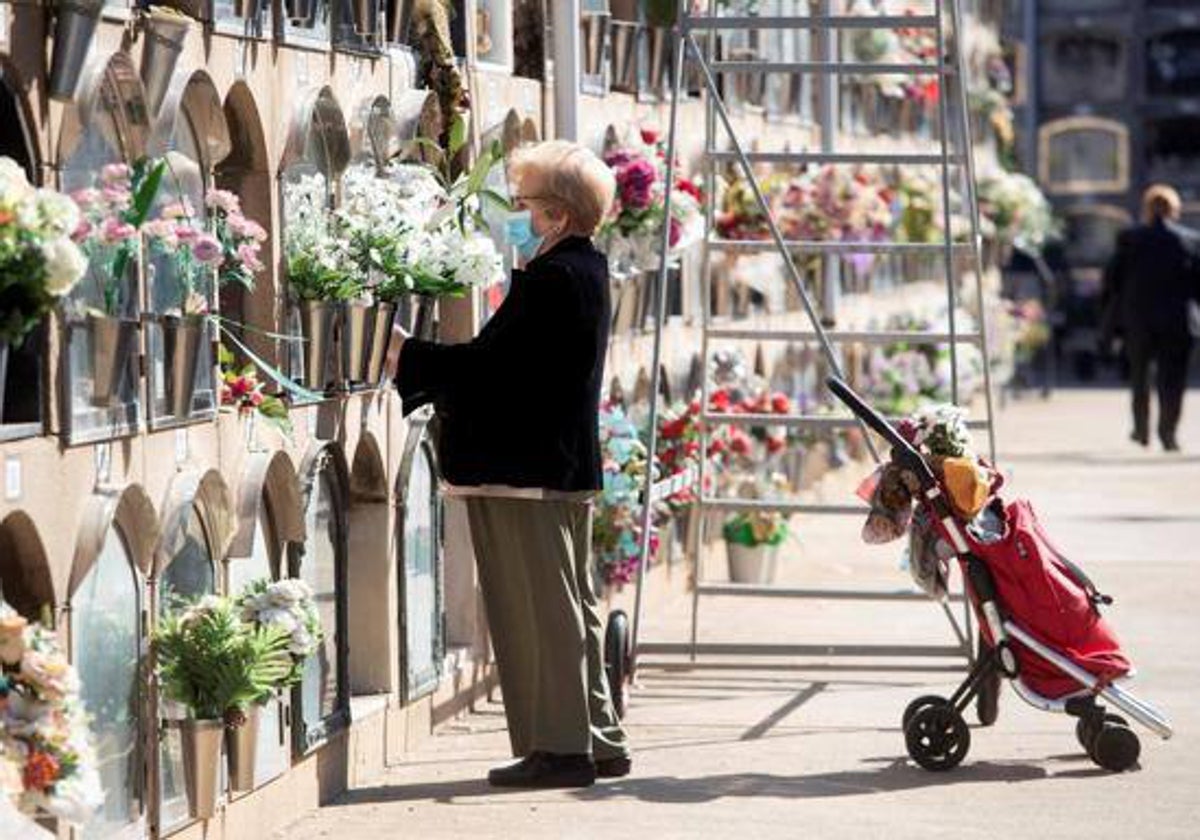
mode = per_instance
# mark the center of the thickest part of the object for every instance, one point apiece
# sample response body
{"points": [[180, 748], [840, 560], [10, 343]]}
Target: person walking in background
{"points": [[528, 467], [1151, 304]]}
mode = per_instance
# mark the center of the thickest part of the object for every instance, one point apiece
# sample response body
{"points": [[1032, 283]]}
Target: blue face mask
{"points": [[518, 232]]}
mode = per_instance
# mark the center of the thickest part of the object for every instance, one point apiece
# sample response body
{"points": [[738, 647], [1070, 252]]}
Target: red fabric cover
{"points": [[1038, 592]]}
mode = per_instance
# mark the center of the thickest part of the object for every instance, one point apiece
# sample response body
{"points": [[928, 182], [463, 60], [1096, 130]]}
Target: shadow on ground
{"points": [[895, 774]]}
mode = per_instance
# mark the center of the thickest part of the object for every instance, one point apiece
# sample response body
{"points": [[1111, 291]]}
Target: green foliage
{"points": [[661, 12], [214, 663], [756, 528], [24, 297]]}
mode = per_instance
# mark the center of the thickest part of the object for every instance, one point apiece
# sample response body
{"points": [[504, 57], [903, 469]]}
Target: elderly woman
{"points": [[519, 442]]}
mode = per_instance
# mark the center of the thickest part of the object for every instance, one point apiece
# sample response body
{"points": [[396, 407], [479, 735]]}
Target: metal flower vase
{"points": [[202, 741], [111, 341], [593, 28], [660, 58], [161, 47], [317, 318], [752, 563], [423, 324], [241, 748], [74, 26], [357, 330], [626, 40], [301, 13], [363, 23], [381, 333], [181, 354]]}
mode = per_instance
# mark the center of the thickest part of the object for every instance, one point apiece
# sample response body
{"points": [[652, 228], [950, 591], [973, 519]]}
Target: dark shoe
{"points": [[613, 768], [546, 770], [1170, 445], [1140, 437]]}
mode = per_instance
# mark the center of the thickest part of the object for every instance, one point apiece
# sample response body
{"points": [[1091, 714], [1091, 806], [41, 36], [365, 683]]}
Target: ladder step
{"points": [[845, 336], [857, 68], [839, 247], [781, 506], [812, 421], [763, 591], [818, 158], [811, 22], [823, 651]]}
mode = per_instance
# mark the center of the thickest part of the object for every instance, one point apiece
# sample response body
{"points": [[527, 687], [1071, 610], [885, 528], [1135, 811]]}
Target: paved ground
{"points": [[815, 749]]}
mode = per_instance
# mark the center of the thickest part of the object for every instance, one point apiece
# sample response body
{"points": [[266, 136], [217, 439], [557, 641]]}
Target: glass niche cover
{"points": [[105, 170]]}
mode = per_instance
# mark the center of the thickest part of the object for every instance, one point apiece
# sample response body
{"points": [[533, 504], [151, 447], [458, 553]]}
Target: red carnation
{"points": [[780, 404], [775, 444], [719, 400]]}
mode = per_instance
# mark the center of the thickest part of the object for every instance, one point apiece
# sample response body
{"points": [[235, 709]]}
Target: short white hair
{"points": [[570, 175]]}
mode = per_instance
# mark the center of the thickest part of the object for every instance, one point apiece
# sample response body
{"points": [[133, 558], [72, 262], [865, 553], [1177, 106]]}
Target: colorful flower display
{"points": [[39, 263], [47, 763], [632, 232], [243, 391], [617, 522], [1016, 208], [240, 238], [288, 606]]}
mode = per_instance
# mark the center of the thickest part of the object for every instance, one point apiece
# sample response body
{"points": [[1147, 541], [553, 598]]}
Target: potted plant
{"points": [[47, 761], [39, 263], [752, 540], [189, 255], [113, 214], [74, 27], [217, 666], [284, 606]]}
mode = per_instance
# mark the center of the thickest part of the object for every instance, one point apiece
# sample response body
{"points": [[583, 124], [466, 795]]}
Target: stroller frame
{"points": [[936, 734]]}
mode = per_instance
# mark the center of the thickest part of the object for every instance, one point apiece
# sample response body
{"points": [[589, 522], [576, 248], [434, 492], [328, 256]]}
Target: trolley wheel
{"points": [[616, 658], [987, 700], [937, 738], [1086, 729], [925, 701], [1116, 747]]}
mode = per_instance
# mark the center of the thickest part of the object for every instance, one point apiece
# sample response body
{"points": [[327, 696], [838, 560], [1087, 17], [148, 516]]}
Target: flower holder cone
{"points": [[74, 27], [317, 318], [241, 747], [381, 333], [358, 329], [626, 41], [3, 375], [202, 741], [181, 355], [111, 340], [161, 47]]}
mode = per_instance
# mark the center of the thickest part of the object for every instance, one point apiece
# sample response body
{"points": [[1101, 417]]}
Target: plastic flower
{"points": [[12, 638], [207, 249]]}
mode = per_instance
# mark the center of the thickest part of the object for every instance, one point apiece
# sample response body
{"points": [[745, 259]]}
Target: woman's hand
{"points": [[395, 345]]}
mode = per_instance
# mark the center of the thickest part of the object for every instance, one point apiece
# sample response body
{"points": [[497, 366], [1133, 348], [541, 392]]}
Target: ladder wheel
{"points": [[616, 658], [937, 738], [925, 701]]}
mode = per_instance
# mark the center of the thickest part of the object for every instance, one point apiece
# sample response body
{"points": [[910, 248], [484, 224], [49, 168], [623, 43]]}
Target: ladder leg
{"points": [[660, 299], [947, 236]]}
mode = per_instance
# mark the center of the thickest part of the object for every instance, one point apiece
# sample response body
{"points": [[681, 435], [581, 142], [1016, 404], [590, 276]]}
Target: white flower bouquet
{"points": [[288, 606], [47, 762], [39, 262]]}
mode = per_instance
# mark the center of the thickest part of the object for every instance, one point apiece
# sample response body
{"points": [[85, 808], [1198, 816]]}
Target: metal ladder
{"points": [[687, 46]]}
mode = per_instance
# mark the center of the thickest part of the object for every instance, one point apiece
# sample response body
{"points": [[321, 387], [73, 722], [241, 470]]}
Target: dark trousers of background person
{"points": [[1169, 358]]}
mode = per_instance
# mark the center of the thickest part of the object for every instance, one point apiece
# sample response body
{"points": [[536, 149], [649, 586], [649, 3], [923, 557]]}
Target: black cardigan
{"points": [[519, 404], [1152, 275]]}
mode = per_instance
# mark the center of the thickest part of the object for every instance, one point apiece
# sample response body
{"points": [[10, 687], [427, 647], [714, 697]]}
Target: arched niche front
{"points": [[197, 525], [191, 135], [246, 172], [1090, 233], [507, 132], [269, 517], [420, 574], [1079, 155], [22, 389], [321, 701], [373, 140], [369, 576], [25, 580], [316, 154], [418, 115], [114, 552], [108, 123]]}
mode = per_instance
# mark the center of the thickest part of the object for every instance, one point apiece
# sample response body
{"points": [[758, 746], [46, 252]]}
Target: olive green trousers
{"points": [[534, 560]]}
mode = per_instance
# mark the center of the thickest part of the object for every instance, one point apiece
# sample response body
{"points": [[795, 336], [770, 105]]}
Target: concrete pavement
{"points": [[811, 748]]}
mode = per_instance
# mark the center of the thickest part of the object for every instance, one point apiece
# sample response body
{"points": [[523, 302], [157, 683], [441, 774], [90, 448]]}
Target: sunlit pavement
{"points": [[815, 750]]}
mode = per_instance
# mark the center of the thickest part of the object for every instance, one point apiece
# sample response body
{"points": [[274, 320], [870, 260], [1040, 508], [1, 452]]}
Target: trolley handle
{"points": [[903, 452]]}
